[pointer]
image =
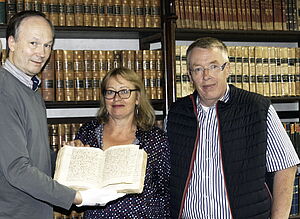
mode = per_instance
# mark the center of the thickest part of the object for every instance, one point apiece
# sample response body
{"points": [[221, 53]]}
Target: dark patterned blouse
{"points": [[153, 202]]}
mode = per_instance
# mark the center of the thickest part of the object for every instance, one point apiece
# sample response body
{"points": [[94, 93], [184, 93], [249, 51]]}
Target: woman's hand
{"points": [[76, 143]]}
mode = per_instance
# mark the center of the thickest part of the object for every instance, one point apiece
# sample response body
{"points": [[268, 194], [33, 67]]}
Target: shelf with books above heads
{"points": [[240, 35], [287, 107]]}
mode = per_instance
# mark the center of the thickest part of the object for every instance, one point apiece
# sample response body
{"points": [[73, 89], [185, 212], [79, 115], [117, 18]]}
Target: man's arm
{"points": [[283, 192]]}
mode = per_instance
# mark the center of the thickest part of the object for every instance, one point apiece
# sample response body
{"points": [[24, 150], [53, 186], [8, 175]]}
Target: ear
{"points": [[11, 43]]}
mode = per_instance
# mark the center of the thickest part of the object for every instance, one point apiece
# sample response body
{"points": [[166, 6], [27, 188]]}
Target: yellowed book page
{"points": [[125, 167], [79, 167]]}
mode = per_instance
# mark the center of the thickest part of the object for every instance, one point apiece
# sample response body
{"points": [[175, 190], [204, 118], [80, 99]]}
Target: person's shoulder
{"points": [[154, 132], [251, 97]]}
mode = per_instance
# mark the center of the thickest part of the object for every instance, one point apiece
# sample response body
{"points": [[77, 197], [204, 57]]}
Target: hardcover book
{"points": [[119, 167]]}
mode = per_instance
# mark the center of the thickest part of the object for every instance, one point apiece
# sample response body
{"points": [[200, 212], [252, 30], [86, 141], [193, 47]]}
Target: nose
{"points": [[117, 96], [206, 73], [41, 51]]}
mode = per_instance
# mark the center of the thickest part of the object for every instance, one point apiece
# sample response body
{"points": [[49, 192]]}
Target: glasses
{"points": [[212, 68], [123, 94]]}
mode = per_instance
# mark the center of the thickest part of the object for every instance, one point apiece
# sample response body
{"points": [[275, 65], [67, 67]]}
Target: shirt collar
{"points": [[20, 75]]}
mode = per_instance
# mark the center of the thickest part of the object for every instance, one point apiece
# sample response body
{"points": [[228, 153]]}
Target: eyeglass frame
{"points": [[221, 68], [118, 92]]}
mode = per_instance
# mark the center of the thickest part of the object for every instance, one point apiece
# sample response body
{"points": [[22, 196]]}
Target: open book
{"points": [[119, 167]]}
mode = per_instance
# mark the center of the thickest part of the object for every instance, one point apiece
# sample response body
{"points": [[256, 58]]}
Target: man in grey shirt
{"points": [[26, 187]]}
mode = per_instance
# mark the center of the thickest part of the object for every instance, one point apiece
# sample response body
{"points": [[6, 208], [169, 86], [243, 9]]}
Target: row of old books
{"points": [[270, 71], [95, 13], [293, 131], [75, 75], [238, 14], [72, 215]]}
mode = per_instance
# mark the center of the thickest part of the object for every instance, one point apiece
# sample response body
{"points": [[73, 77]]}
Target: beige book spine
{"points": [[53, 136], [153, 76], [278, 72], [292, 70], [109, 60], [139, 62], [133, 14], [297, 74], [232, 61], [252, 76], [238, 66], [178, 70], [147, 12], [258, 70], [245, 68], [109, 13], [265, 70], [94, 13], [272, 71], [286, 82]]}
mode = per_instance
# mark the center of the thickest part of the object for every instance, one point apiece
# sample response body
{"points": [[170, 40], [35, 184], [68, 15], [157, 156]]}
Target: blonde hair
{"points": [[144, 115]]}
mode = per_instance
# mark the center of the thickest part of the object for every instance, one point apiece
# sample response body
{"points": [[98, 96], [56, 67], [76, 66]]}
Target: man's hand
{"points": [[98, 197]]}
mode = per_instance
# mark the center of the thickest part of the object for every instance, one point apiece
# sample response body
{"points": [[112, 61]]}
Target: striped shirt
{"points": [[206, 196], [20, 75]]}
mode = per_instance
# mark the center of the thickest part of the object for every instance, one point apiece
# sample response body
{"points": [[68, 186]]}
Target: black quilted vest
{"points": [[242, 133]]}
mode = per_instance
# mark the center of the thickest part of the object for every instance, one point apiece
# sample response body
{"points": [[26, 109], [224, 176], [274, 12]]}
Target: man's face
{"points": [[211, 84], [31, 47]]}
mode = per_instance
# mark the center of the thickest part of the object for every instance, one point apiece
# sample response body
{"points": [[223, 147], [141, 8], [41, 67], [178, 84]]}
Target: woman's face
{"points": [[117, 107]]}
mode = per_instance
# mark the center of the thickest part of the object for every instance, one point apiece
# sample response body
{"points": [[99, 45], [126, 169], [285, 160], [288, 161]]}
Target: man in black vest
{"points": [[224, 142]]}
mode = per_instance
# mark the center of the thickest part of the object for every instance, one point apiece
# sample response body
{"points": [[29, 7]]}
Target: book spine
{"points": [[231, 21], [286, 82], [125, 12], [258, 70], [217, 14], [140, 14], [70, 10], [78, 12], [278, 72], [61, 13], [146, 72], [68, 75], [53, 11], [138, 60], [94, 13], [178, 71], [297, 74], [292, 70], [87, 13], [20, 6], [78, 64], [48, 85], [238, 66], [245, 68], [44, 7], [102, 67], [59, 75], [252, 76], [147, 10], [272, 71], [159, 75], [155, 13], [203, 14], [232, 60], [265, 71], [10, 9], [37, 6], [153, 76], [117, 13], [285, 23], [101, 13], [87, 75], [109, 60], [53, 137], [133, 13], [95, 75], [277, 15]]}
